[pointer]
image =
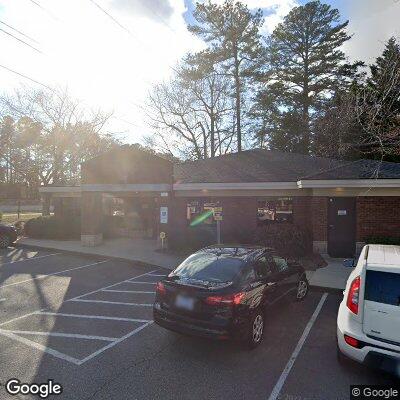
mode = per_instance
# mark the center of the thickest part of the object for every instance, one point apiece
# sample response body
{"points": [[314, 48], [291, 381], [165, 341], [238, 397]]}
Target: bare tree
{"points": [[53, 134], [191, 115]]}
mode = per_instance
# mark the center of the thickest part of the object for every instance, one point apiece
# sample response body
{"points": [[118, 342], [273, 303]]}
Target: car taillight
{"points": [[231, 299], [354, 295], [352, 341], [160, 289]]}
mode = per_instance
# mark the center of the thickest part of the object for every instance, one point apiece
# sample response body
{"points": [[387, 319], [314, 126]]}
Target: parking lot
{"points": [[87, 324]]}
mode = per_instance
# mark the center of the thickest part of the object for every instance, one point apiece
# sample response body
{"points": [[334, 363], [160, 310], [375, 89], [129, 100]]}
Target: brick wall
{"points": [[239, 219], [301, 211], [319, 218], [378, 216]]}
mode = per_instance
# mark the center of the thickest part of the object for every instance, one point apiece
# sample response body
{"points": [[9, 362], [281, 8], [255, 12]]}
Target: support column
{"points": [[319, 217], [46, 200], [91, 219]]}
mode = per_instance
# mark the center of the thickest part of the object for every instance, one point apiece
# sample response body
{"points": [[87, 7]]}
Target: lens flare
{"points": [[201, 218]]}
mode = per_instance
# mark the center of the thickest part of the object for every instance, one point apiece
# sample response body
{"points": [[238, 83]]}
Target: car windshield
{"points": [[210, 267]]}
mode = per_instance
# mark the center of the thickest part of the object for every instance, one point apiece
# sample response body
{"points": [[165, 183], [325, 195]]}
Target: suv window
{"points": [[263, 267], [281, 264], [383, 287]]}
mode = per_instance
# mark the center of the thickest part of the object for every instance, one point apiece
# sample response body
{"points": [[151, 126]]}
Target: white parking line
{"points": [[281, 381], [92, 317], [60, 334], [157, 275], [12, 334], [125, 291], [54, 273], [112, 302], [30, 259], [146, 283], [41, 347], [96, 353]]}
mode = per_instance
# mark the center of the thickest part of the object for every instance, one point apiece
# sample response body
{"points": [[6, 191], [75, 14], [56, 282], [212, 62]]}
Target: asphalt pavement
{"points": [[86, 323]]}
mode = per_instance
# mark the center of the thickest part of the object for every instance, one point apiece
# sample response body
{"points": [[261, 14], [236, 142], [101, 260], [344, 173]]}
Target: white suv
{"points": [[368, 324]]}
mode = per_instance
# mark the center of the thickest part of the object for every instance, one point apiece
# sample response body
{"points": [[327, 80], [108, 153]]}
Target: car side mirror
{"points": [[349, 263]]}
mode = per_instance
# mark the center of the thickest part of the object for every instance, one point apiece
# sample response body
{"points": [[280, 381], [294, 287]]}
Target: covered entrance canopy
{"points": [[142, 183]]}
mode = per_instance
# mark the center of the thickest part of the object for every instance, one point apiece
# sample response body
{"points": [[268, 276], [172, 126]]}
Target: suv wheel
{"points": [[256, 329], [4, 241]]}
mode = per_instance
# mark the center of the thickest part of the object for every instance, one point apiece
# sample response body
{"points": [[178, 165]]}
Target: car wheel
{"points": [[256, 329], [4, 241], [302, 288]]}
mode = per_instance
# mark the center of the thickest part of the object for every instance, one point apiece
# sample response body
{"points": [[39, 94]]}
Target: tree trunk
{"points": [[238, 105]]}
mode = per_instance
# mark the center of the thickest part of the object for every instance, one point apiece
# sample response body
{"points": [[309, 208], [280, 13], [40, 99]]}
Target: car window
{"points": [[263, 267], [249, 275], [210, 267], [383, 287], [281, 264]]}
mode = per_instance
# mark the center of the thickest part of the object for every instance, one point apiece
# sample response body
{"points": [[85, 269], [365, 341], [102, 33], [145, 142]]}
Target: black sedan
{"points": [[8, 235], [223, 291]]}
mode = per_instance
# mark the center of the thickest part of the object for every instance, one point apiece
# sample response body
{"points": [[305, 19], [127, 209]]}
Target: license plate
{"points": [[184, 302]]}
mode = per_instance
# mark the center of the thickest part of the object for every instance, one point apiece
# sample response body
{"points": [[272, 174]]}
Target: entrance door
{"points": [[342, 227]]}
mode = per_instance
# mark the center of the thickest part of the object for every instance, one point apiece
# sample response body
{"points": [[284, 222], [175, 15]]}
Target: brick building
{"points": [[341, 203]]}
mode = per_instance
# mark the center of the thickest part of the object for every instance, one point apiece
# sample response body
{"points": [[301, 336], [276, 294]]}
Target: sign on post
{"points": [[163, 215]]}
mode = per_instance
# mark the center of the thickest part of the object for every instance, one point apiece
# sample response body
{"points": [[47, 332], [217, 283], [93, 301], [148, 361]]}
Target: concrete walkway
{"points": [[333, 276], [142, 250]]}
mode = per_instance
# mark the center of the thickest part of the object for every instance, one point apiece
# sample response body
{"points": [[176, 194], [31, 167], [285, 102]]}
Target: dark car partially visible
{"points": [[223, 292], [8, 235]]}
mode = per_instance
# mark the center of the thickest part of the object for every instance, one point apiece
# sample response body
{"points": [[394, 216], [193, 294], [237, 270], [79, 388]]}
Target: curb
{"points": [[324, 289], [83, 254]]}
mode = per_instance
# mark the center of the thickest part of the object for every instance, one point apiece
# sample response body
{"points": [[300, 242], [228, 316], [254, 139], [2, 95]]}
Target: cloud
{"points": [[372, 23], [153, 9]]}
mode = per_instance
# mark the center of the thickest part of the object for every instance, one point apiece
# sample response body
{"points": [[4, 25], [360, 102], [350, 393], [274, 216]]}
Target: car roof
{"points": [[379, 254], [244, 252]]}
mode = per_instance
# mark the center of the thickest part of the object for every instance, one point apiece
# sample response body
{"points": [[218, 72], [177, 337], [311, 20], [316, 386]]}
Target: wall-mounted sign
{"points": [[164, 194], [163, 215], [217, 211], [342, 212]]}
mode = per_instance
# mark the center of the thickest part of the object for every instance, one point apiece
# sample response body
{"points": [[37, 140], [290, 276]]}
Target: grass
{"points": [[11, 218]]}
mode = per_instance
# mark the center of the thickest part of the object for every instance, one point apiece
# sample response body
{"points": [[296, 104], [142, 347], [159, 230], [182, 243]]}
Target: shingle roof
{"points": [[360, 169], [275, 166]]}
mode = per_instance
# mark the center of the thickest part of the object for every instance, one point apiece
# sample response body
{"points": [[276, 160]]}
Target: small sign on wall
{"points": [[342, 212], [163, 215]]}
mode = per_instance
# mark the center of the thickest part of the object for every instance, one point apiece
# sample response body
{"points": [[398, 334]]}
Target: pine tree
{"points": [[306, 66], [234, 43]]}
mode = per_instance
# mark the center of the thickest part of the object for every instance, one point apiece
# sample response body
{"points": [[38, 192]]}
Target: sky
{"points": [[112, 61]]}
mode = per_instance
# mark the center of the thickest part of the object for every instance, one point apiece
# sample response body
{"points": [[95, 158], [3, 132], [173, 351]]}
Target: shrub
{"points": [[53, 227], [287, 239], [383, 240], [192, 238]]}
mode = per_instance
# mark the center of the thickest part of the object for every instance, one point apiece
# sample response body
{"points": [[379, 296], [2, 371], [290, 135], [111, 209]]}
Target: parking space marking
{"points": [[163, 275], [113, 302], [54, 273], [60, 334], [96, 353], [281, 381], [125, 291], [41, 347], [93, 317], [14, 334], [30, 259], [141, 283]]}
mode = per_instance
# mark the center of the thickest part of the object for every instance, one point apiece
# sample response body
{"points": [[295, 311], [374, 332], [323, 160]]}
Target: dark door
{"points": [[342, 227]]}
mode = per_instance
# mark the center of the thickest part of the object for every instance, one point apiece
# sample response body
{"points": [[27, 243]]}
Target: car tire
{"points": [[256, 329], [4, 241], [302, 288]]}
